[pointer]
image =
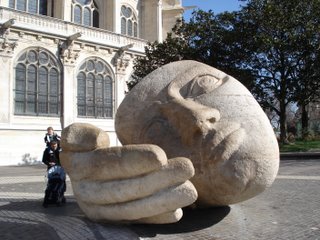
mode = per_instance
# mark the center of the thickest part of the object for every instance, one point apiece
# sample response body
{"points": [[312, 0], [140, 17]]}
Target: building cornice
{"points": [[49, 27]]}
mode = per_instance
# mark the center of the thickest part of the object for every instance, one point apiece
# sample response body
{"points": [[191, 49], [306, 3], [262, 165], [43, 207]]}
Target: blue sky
{"points": [[217, 6]]}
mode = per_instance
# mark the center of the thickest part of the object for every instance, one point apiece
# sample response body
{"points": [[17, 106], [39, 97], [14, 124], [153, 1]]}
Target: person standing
{"points": [[56, 185], [51, 136], [51, 155]]}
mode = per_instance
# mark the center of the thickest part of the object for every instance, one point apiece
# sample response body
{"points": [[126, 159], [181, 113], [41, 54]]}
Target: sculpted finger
{"points": [[164, 218], [83, 137], [161, 202], [114, 163], [177, 171]]}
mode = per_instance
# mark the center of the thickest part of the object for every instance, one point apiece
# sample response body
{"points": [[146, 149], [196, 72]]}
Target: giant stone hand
{"points": [[133, 183]]}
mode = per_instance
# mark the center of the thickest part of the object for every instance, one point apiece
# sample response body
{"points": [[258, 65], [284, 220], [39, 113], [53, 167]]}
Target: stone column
{"points": [[159, 21], [69, 103], [67, 13], [170, 14], [68, 55], [7, 95], [116, 17], [7, 47], [121, 62]]}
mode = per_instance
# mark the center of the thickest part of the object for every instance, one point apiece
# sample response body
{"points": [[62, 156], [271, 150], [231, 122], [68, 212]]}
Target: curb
{"points": [[299, 155]]}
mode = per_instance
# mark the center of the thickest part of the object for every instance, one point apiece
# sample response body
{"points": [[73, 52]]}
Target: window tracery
{"points": [[37, 84], [95, 89], [85, 12], [129, 22], [31, 6]]}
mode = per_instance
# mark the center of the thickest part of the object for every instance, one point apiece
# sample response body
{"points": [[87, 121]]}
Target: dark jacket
{"points": [[49, 138], [51, 156]]}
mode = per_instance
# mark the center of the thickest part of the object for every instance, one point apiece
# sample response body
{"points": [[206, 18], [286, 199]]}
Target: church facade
{"points": [[66, 61]]}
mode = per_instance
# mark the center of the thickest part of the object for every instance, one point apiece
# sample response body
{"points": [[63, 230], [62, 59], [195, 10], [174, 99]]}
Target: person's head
{"points": [[53, 145], [50, 130], [193, 110]]}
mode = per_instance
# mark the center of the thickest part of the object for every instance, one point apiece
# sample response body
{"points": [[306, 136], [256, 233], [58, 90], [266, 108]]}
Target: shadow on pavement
{"points": [[192, 220], [34, 220], [27, 219], [70, 208], [26, 228]]}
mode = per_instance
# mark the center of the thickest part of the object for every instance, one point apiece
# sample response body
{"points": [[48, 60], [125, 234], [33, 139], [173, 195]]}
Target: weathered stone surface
{"points": [[164, 218], [164, 201], [117, 191], [192, 110], [114, 163], [83, 137], [135, 183]]}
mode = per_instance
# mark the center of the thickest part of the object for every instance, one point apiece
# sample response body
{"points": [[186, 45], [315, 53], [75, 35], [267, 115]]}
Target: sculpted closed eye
{"points": [[202, 84]]}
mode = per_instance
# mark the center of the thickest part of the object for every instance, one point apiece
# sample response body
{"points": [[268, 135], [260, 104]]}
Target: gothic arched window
{"points": [[37, 84], [31, 6], [85, 12], [129, 23], [95, 89]]}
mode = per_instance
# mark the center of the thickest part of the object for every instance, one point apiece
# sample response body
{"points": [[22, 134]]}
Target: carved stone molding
{"points": [[121, 64], [68, 53], [7, 45], [39, 37], [121, 60], [21, 34], [4, 33]]}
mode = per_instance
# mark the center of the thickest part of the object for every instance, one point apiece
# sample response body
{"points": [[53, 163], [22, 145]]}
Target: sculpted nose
{"points": [[189, 118]]}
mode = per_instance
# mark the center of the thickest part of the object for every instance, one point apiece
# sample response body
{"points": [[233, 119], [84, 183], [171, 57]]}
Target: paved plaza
{"points": [[289, 210]]}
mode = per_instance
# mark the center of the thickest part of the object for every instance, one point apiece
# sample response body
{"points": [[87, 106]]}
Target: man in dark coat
{"points": [[51, 155]]}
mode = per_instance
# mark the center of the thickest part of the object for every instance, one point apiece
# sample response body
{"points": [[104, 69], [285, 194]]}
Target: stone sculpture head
{"points": [[192, 110]]}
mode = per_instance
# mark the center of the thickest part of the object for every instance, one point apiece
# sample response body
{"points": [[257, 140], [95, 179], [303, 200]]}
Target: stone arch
{"points": [[129, 20], [95, 89], [37, 83], [85, 12]]}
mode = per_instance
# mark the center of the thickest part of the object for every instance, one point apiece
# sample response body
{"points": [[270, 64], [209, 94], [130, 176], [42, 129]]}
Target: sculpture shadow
{"points": [[70, 208], [192, 220], [24, 219]]}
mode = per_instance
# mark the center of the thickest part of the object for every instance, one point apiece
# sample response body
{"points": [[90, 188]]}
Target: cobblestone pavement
{"points": [[289, 210]]}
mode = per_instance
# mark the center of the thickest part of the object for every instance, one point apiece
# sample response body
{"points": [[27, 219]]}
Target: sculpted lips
{"points": [[220, 143]]}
